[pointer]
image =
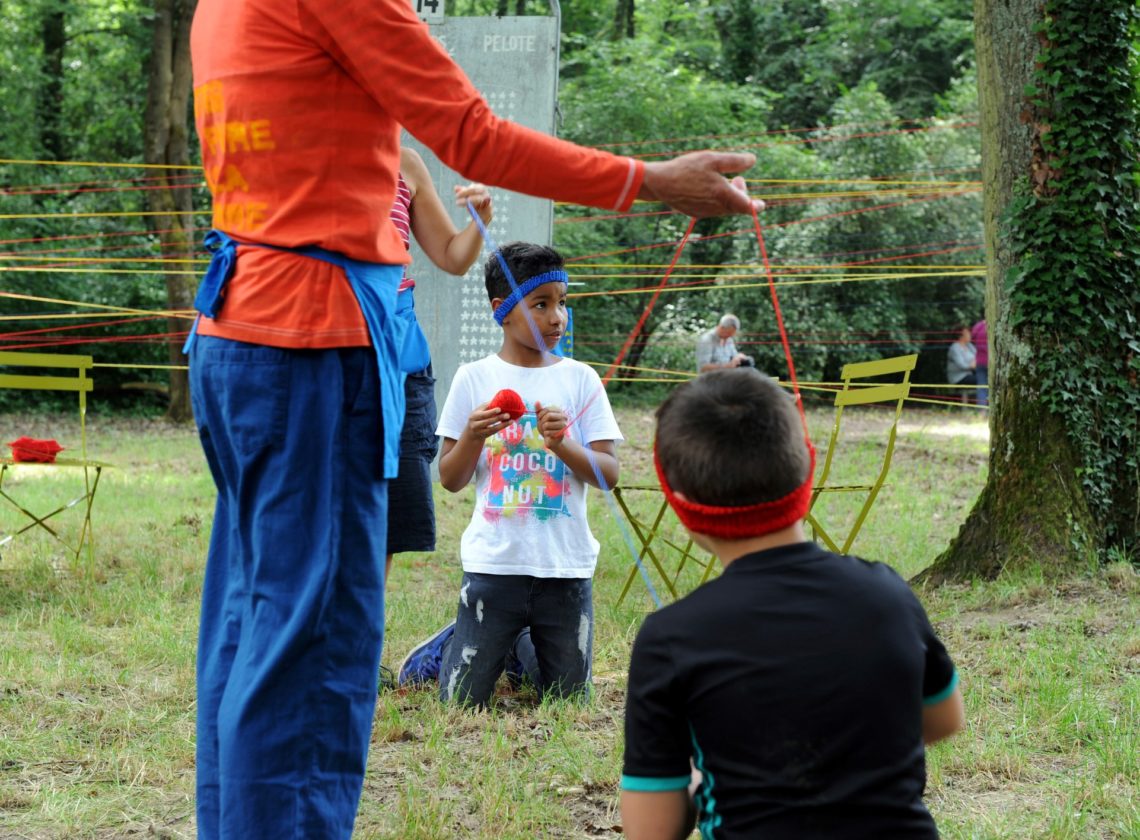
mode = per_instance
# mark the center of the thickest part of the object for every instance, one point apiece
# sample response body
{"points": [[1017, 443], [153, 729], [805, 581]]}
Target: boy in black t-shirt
{"points": [[792, 696]]}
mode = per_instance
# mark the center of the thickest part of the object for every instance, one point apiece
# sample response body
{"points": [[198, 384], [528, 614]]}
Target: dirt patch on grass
{"points": [[1037, 605]]}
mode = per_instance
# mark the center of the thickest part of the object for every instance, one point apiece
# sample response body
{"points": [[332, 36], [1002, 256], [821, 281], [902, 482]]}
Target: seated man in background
{"points": [[716, 350]]}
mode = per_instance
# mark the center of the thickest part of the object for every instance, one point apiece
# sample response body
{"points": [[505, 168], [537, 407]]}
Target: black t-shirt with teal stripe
{"points": [[795, 682]]}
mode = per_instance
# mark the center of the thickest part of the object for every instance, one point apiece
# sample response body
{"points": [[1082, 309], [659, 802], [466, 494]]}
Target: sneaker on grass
{"points": [[423, 661]]}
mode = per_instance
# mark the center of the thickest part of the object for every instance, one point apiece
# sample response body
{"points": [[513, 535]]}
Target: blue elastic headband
{"points": [[524, 289]]}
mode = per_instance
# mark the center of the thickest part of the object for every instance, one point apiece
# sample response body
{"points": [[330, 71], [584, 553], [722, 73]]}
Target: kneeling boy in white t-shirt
{"points": [[528, 555]]}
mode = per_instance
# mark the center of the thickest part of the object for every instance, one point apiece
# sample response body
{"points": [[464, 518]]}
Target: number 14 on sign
{"points": [[429, 10]]}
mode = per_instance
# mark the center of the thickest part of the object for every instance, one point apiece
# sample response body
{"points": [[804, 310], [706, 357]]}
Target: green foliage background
{"points": [[99, 116], [714, 73], [727, 75]]}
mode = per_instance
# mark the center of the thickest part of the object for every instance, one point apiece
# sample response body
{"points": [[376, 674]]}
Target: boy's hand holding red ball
{"points": [[509, 402], [503, 409]]}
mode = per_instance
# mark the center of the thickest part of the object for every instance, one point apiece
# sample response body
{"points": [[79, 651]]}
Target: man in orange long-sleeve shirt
{"points": [[298, 105]]}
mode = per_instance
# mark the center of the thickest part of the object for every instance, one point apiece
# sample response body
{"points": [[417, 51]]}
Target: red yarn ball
{"points": [[508, 402], [33, 450]]}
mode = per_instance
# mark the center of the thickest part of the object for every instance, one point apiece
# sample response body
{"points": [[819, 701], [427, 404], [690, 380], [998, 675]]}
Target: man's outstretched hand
{"points": [[695, 184]]}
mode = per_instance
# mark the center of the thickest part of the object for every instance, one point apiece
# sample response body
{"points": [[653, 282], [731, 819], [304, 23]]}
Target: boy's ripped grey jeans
{"points": [[495, 611]]}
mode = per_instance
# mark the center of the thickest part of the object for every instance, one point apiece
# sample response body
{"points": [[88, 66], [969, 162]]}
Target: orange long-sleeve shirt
{"points": [[298, 105]]}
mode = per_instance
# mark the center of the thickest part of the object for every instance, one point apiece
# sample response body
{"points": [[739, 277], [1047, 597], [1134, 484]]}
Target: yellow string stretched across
{"points": [[822, 281], [812, 387], [197, 168], [97, 260], [713, 278], [860, 181], [81, 269], [789, 266], [803, 279], [139, 367], [684, 375], [805, 387], [797, 268], [72, 316], [855, 194], [169, 313], [912, 384], [643, 379]]}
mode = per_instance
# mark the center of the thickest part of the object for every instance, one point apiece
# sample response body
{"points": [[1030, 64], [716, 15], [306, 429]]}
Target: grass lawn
{"points": [[97, 670]]}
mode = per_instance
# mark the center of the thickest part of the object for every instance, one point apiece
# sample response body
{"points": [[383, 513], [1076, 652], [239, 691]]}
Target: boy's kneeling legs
{"points": [[492, 611], [562, 629]]}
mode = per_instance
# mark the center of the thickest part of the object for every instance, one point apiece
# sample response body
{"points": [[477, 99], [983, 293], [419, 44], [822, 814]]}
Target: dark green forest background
{"points": [[832, 93]]}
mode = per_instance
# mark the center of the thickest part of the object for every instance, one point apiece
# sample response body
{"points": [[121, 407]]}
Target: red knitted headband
{"points": [[734, 523]]}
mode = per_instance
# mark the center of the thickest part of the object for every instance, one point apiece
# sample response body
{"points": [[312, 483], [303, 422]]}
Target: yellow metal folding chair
{"points": [[39, 372], [654, 544], [855, 392]]}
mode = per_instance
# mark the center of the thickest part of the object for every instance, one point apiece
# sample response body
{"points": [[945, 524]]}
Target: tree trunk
{"points": [[1033, 510], [623, 19], [49, 101], [636, 350], [167, 143]]}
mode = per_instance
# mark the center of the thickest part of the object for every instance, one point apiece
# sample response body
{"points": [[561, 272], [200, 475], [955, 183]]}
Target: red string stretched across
{"points": [[780, 321], [77, 190], [808, 220], [649, 306], [612, 369], [817, 140], [73, 327], [657, 293], [62, 186], [771, 132], [151, 338], [93, 235]]}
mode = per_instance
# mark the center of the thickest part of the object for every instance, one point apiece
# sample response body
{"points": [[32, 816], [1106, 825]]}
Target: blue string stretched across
{"points": [[540, 343]]}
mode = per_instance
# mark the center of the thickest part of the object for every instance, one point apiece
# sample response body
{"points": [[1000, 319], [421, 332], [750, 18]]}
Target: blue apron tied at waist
{"points": [[208, 301], [415, 355], [375, 287]]}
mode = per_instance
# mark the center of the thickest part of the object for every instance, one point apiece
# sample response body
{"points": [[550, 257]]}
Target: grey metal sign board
{"points": [[513, 61]]}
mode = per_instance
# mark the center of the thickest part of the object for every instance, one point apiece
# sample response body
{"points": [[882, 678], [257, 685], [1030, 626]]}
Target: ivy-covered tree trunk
{"points": [[1059, 152], [166, 140]]}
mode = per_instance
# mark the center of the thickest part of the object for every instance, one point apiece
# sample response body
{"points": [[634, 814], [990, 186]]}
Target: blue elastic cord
{"points": [[528, 286], [516, 295]]}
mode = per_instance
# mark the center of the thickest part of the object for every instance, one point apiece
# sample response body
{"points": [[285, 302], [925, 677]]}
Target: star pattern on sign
{"points": [[479, 335], [502, 102]]}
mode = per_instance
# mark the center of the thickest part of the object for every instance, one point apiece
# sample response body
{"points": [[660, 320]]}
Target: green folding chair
{"points": [[654, 546], [855, 392], [41, 372]]}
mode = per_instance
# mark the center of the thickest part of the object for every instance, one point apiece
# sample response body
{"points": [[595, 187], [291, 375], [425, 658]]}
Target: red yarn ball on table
{"points": [[509, 402]]}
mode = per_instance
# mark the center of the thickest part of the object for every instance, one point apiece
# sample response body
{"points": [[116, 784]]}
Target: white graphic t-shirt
{"points": [[530, 508]]}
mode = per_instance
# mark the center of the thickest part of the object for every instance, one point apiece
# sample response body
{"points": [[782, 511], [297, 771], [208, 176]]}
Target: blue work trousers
{"points": [[292, 604]]}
